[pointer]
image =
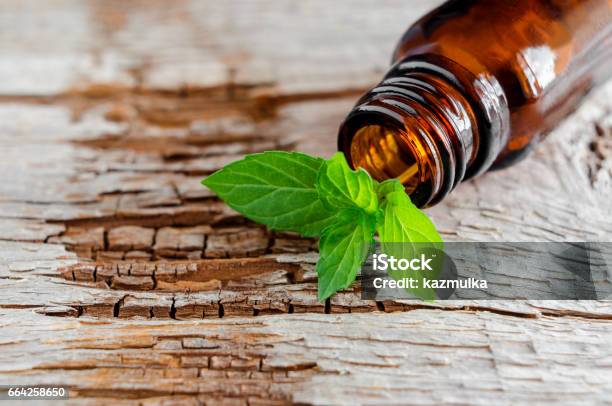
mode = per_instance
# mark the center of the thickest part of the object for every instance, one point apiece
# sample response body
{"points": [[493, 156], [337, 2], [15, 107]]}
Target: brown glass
{"points": [[474, 85]]}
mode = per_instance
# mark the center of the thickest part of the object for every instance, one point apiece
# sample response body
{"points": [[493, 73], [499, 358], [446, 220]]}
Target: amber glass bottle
{"points": [[474, 85]]}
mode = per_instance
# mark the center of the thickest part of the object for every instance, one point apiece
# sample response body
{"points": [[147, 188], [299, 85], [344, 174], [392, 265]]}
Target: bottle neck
{"points": [[418, 127]]}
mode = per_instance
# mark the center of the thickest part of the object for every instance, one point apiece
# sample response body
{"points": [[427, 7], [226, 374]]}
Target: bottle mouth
{"points": [[415, 126], [388, 153], [392, 149]]}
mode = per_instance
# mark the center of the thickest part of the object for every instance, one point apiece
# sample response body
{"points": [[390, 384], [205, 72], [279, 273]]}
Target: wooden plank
{"points": [[426, 355], [125, 279]]}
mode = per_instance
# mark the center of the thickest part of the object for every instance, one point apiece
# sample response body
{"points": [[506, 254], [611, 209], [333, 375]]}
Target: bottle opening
{"points": [[400, 152], [386, 153], [413, 127]]}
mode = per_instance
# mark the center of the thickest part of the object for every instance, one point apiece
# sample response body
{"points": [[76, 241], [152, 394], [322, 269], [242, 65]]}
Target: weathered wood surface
{"points": [[123, 278]]}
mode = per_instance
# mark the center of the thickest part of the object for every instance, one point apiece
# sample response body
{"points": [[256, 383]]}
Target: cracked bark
{"points": [[123, 278]]}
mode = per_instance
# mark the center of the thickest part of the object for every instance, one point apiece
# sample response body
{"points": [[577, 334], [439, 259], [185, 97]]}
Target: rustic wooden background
{"points": [[123, 278]]}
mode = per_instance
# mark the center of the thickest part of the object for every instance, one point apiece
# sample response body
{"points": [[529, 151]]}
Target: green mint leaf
{"points": [[401, 220], [406, 232], [343, 247], [341, 187], [276, 189]]}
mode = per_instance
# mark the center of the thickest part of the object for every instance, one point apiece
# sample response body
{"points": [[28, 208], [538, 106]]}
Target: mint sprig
{"points": [[290, 191]]}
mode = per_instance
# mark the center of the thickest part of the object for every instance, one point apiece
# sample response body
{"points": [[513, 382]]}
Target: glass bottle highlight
{"points": [[474, 85]]}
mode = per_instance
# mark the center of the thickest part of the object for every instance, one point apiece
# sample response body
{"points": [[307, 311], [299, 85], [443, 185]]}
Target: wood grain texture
{"points": [[123, 278], [422, 356]]}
